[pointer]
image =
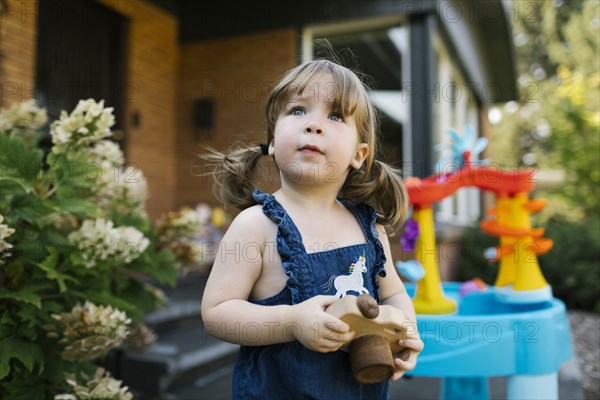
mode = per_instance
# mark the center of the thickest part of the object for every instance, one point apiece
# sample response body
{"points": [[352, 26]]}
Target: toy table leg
{"points": [[472, 388], [527, 387]]}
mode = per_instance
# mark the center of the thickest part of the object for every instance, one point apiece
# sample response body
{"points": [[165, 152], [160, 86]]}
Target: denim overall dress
{"points": [[290, 370]]}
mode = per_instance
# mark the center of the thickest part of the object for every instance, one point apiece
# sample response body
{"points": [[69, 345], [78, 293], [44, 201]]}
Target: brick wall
{"points": [[18, 33], [237, 74], [151, 92]]}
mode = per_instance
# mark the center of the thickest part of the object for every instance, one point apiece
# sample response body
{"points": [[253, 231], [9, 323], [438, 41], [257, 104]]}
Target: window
{"points": [[454, 108], [377, 48]]}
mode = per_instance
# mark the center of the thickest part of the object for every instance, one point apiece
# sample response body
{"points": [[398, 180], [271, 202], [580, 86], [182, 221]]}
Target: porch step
{"points": [[183, 351], [178, 357], [174, 312]]}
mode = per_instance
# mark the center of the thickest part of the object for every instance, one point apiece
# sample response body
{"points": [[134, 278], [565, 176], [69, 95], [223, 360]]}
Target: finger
{"points": [[396, 376], [328, 346], [325, 301], [404, 354], [339, 337], [408, 365], [413, 344], [337, 325]]}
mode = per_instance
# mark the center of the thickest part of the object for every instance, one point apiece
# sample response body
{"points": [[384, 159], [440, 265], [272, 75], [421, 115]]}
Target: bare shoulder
{"points": [[381, 231], [252, 223], [251, 214]]}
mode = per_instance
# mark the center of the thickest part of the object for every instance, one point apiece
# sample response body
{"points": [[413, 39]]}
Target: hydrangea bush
{"points": [[193, 235], [80, 262]]}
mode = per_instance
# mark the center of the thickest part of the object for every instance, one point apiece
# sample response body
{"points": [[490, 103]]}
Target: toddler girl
{"points": [[278, 265]]}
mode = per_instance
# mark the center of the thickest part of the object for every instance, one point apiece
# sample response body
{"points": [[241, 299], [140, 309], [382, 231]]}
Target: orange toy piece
{"points": [[377, 332]]}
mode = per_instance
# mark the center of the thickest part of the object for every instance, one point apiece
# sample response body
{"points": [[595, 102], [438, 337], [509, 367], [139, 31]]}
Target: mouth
{"points": [[309, 148]]}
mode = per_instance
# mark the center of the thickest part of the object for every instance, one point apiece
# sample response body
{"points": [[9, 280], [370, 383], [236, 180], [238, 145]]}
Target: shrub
{"points": [[78, 256], [572, 267]]}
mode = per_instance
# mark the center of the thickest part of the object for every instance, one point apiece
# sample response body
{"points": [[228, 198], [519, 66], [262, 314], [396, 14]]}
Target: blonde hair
{"points": [[375, 183]]}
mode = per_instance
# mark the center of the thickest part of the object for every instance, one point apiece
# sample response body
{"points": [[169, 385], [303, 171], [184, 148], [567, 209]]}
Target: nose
{"points": [[313, 127]]}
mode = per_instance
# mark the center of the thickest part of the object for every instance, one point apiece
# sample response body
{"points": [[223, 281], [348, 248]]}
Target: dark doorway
{"points": [[80, 54]]}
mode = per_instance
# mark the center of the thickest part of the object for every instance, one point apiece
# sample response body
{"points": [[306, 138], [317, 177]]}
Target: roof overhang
{"points": [[481, 36]]}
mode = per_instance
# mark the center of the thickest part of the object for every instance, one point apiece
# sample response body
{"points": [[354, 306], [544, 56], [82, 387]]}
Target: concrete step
{"points": [[217, 385], [172, 313], [179, 355], [183, 350], [151, 377]]}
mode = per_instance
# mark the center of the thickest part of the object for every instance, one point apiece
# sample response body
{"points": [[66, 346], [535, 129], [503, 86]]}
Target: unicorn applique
{"points": [[352, 282]]}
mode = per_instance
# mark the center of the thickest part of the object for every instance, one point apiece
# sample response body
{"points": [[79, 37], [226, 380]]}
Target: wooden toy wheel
{"points": [[371, 359]]}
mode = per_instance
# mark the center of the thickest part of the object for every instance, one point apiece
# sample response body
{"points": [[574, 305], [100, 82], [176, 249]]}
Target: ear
{"points": [[272, 147], [360, 154]]}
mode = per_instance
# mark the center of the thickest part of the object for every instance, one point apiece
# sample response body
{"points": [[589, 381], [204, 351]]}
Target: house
{"points": [[182, 74]]}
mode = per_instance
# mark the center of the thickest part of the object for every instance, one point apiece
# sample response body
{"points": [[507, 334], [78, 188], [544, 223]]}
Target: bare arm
{"points": [[393, 292], [229, 316]]}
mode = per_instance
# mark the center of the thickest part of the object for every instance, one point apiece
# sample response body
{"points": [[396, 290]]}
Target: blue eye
{"points": [[297, 111], [336, 117]]}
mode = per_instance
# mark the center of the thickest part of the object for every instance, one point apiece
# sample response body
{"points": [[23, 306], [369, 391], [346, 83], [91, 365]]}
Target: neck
{"points": [[309, 197]]}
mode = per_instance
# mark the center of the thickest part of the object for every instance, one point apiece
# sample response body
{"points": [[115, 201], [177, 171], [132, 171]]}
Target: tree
{"points": [[557, 122]]}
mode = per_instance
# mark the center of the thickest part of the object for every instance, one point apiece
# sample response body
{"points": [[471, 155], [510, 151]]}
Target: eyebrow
{"points": [[307, 96], [297, 98]]}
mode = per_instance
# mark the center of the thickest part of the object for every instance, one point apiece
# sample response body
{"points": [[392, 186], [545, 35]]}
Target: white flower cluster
{"points": [[159, 295], [23, 118], [185, 222], [189, 219], [141, 338], [5, 232], [90, 331], [181, 232], [107, 154], [100, 387], [124, 190], [98, 240], [85, 130], [89, 123]]}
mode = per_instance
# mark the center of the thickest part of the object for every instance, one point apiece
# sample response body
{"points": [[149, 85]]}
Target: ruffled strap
{"points": [[289, 242], [368, 219]]}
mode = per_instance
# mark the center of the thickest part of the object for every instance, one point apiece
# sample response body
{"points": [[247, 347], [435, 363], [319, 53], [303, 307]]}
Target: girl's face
{"points": [[313, 142]]}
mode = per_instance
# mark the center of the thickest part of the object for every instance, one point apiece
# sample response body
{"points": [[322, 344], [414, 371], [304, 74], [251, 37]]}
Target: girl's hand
{"points": [[406, 360], [315, 328]]}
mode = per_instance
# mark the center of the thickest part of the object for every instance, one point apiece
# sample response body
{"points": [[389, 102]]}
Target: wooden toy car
{"points": [[378, 330]]}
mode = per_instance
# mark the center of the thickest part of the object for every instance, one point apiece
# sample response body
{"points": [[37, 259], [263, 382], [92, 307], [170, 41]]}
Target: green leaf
{"points": [[77, 206], [30, 250], [51, 238], [75, 173], [49, 267], [30, 320], [27, 353], [25, 386], [138, 295], [18, 162], [132, 219], [24, 295], [6, 325], [55, 369], [160, 266], [30, 208], [105, 298]]}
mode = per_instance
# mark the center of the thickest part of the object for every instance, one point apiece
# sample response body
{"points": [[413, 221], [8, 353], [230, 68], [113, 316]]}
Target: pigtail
{"points": [[234, 174], [382, 187]]}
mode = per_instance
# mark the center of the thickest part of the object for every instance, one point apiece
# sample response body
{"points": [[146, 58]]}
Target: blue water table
{"points": [[486, 337], [515, 328]]}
